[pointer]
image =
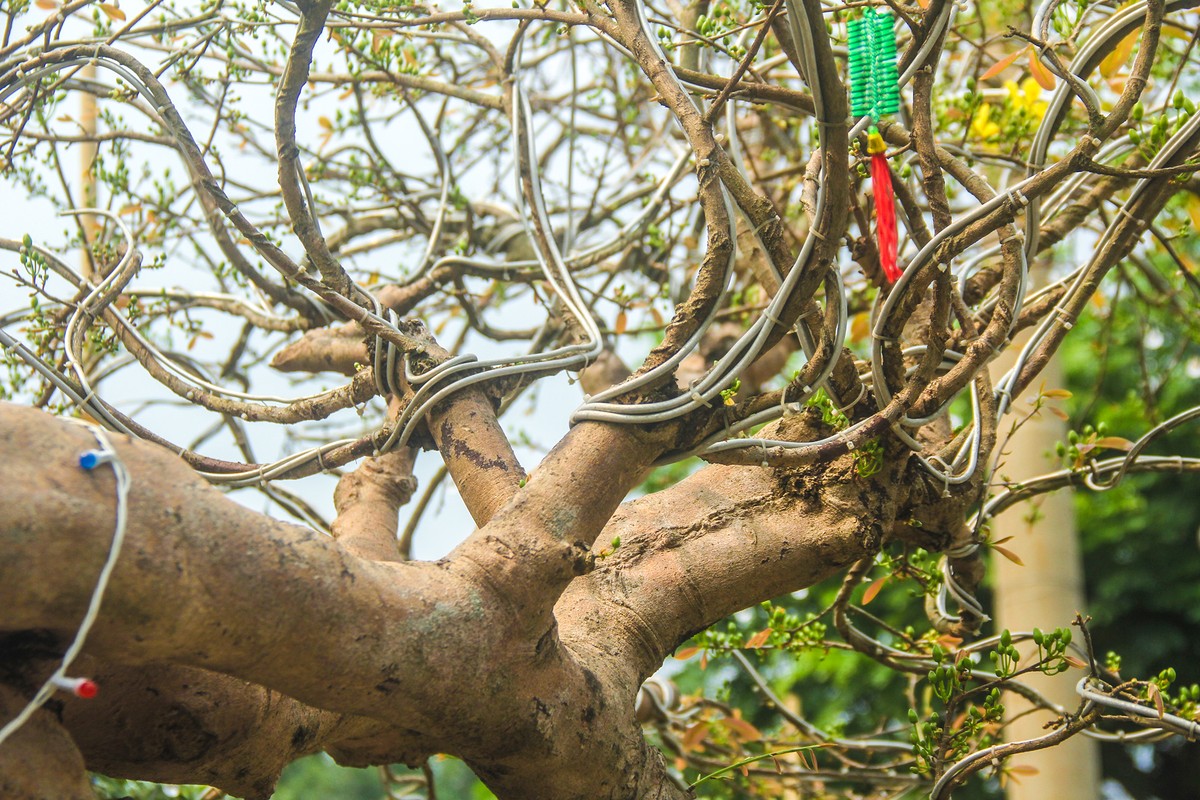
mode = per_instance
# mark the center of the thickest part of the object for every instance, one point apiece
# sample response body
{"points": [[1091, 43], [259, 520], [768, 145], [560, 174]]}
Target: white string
{"points": [[104, 455]]}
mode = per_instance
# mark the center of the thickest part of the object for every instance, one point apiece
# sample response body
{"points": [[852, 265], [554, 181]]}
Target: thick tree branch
{"points": [[343, 348], [476, 451], [368, 501], [183, 725], [291, 178], [292, 611], [723, 540], [540, 541], [39, 761], [267, 583]]}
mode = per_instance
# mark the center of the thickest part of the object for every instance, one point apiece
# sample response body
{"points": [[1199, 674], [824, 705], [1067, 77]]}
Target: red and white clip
{"points": [[80, 687]]}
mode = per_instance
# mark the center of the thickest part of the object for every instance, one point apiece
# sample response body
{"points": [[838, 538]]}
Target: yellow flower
{"points": [[1026, 97], [982, 125]]}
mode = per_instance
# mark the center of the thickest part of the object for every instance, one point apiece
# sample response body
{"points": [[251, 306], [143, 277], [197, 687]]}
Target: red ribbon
{"points": [[885, 216]]}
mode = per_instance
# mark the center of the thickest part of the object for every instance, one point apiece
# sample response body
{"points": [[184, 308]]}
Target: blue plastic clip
{"points": [[94, 458]]}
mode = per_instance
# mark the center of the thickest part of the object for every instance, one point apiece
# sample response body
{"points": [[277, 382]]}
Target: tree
{"points": [[669, 204]]}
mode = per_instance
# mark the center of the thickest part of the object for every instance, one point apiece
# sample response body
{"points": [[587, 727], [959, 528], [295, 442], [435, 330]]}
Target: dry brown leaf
{"points": [[112, 11], [1000, 66], [377, 37], [1009, 554], [873, 590], [758, 639], [1119, 55], [742, 731], [1058, 412], [1039, 71], [950, 641], [1156, 696], [693, 738]]}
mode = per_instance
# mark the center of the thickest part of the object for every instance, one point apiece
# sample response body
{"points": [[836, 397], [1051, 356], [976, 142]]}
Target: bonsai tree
{"points": [[781, 299]]}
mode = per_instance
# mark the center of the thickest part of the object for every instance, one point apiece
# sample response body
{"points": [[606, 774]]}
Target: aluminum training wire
{"points": [[569, 294], [717, 380], [1112, 29], [721, 442], [713, 383], [722, 374], [584, 352]]}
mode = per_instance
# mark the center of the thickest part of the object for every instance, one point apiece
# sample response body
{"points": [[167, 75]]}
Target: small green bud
{"points": [[1178, 99], [1138, 111]]}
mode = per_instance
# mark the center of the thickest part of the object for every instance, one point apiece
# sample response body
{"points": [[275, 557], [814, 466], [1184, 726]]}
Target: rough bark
{"points": [[240, 642], [39, 761]]}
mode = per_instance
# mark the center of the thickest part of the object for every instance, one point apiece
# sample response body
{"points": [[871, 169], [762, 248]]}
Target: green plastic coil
{"points": [[874, 81]]}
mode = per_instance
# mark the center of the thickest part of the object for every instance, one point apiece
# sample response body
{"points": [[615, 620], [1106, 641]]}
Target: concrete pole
{"points": [[1046, 593]]}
